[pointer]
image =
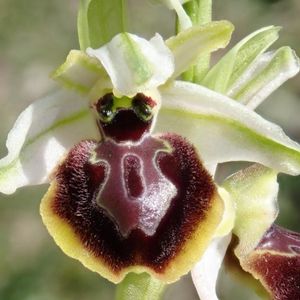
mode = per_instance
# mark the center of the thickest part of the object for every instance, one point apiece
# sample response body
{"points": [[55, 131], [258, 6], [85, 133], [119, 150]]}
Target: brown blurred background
{"points": [[35, 37]]}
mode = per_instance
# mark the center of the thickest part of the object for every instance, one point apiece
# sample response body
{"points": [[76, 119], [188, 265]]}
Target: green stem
{"points": [[139, 287], [82, 25], [200, 12]]}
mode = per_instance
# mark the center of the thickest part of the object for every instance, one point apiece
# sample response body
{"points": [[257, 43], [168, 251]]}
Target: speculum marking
{"points": [[135, 194]]}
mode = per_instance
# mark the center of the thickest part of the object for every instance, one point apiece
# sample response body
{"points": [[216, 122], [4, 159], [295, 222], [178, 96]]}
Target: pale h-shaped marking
{"points": [[147, 209]]}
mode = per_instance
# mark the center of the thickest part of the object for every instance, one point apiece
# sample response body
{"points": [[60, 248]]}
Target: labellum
{"points": [[276, 263], [134, 200]]}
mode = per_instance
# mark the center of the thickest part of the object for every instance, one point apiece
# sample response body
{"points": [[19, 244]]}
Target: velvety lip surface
{"points": [[195, 206], [276, 263]]}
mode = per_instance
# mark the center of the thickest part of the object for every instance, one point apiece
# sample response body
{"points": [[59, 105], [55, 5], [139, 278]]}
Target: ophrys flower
{"points": [[104, 207]]}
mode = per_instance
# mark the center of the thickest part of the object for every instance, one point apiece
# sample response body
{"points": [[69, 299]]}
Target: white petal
{"points": [[40, 137], [135, 64], [224, 130], [206, 271]]}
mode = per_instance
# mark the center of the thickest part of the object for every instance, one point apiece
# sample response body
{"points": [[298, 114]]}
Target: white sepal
{"points": [[224, 130], [205, 272], [42, 134]]}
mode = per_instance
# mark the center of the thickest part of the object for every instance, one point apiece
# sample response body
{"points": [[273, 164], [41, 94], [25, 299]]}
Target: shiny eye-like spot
{"points": [[104, 108], [142, 108]]}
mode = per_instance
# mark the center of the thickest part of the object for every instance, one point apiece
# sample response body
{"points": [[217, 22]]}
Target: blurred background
{"points": [[35, 37]]}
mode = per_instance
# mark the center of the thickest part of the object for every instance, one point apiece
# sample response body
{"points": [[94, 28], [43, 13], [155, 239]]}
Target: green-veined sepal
{"points": [[42, 134], [224, 130], [135, 64]]}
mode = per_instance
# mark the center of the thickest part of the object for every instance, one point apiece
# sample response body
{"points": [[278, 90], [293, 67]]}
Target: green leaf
{"points": [[200, 12], [139, 286], [99, 21], [198, 41], [229, 69], [267, 73]]}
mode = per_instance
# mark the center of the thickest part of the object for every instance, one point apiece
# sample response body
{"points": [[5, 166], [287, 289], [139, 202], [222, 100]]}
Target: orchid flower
{"points": [[130, 153]]}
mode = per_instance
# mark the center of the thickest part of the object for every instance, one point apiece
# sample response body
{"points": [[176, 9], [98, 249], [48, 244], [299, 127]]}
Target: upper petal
{"points": [[135, 64], [197, 41], [40, 137], [224, 130]]}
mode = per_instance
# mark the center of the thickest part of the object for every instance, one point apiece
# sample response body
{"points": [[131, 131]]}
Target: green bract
{"points": [[99, 22]]}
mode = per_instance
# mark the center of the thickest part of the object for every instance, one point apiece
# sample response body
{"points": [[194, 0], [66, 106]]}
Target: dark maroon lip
{"points": [[280, 240], [79, 180], [125, 126]]}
